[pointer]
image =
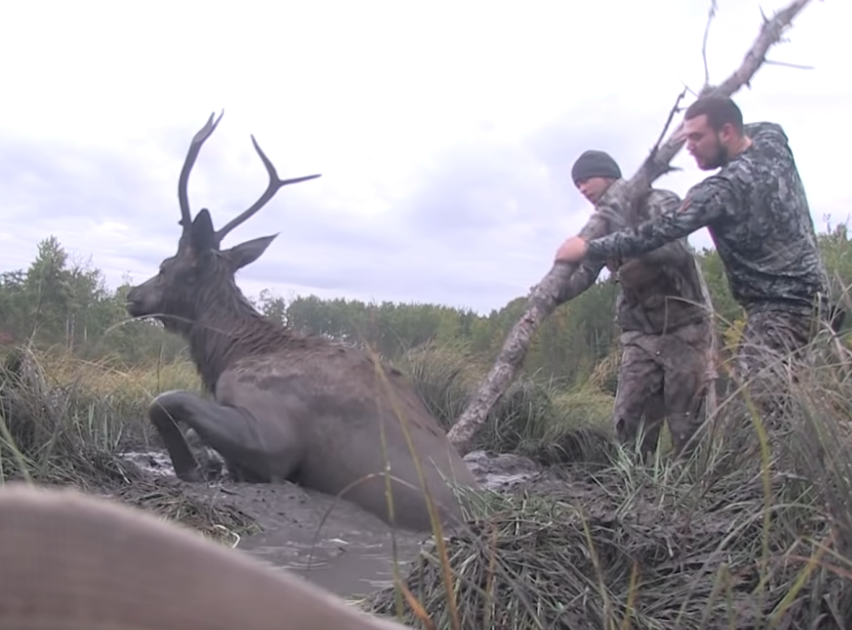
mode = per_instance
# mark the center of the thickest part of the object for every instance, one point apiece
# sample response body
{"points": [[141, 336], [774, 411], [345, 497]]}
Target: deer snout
{"points": [[135, 302], [132, 304]]}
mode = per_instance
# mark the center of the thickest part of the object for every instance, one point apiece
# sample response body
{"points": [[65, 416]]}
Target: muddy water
{"points": [[330, 542]]}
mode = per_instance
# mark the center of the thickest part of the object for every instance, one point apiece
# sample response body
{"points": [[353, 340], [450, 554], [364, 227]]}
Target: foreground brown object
{"points": [[70, 561]]}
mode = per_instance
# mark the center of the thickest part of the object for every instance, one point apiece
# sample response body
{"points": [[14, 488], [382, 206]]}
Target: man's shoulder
{"points": [[770, 149], [766, 132], [726, 183]]}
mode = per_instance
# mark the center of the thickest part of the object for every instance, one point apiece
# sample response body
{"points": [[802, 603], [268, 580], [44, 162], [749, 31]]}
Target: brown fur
{"points": [[287, 406]]}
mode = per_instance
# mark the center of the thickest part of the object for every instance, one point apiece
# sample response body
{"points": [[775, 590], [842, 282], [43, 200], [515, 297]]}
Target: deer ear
{"points": [[202, 236], [246, 253]]}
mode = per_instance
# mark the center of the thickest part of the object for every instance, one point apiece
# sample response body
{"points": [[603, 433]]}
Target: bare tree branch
{"points": [[787, 64], [674, 110], [689, 89], [710, 15], [543, 298]]}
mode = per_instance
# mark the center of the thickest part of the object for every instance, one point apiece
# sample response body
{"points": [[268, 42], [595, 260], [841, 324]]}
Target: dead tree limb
{"points": [[544, 297], [710, 15], [712, 374]]}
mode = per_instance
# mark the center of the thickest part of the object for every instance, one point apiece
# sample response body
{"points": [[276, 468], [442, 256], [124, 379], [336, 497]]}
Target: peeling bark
{"points": [[545, 297], [711, 401]]}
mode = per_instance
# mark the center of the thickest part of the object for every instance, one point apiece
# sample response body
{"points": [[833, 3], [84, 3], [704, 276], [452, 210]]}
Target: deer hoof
{"points": [[194, 475]]}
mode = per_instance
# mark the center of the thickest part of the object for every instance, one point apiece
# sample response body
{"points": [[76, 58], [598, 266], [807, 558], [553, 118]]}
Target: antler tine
{"points": [[189, 162], [274, 185]]}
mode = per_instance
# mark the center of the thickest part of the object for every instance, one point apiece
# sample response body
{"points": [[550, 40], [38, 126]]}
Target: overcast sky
{"points": [[444, 131]]}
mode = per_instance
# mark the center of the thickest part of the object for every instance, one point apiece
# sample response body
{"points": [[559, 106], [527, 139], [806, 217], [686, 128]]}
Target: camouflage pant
{"points": [[769, 341], [662, 377]]}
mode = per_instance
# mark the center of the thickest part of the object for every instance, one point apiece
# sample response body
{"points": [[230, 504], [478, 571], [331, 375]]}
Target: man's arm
{"points": [[659, 203], [706, 202]]}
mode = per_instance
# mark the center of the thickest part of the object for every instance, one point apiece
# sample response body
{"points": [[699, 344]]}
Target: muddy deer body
{"points": [[285, 406]]}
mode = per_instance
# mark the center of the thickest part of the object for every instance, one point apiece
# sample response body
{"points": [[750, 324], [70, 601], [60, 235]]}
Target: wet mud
{"points": [[329, 541]]}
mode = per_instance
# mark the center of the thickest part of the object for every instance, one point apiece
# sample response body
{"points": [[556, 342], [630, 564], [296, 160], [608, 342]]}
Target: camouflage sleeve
{"points": [[660, 203], [705, 203]]}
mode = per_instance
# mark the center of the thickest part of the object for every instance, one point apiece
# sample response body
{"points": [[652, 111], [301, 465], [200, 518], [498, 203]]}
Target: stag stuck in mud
{"points": [[285, 406]]}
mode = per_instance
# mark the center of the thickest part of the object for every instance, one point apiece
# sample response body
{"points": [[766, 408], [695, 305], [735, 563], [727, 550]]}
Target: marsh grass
{"points": [[753, 531], [219, 521], [69, 416], [66, 421], [534, 418]]}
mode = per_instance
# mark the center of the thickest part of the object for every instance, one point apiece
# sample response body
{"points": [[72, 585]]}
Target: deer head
{"points": [[200, 267]]}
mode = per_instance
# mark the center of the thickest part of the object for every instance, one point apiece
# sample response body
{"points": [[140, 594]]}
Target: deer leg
{"points": [[211, 462], [208, 460], [232, 431], [166, 418]]}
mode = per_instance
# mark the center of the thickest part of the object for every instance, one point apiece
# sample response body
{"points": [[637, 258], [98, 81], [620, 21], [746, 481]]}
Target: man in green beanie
{"points": [[666, 365]]}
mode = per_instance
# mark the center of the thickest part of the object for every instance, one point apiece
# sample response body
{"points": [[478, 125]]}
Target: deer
{"points": [[280, 405], [69, 560]]}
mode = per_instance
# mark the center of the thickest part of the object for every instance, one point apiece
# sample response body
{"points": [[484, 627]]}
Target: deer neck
{"points": [[225, 330]]}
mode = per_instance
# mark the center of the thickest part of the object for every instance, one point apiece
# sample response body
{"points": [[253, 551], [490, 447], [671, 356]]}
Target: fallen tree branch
{"points": [[544, 297]]}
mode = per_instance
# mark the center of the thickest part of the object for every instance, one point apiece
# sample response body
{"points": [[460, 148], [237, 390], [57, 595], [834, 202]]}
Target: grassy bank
{"points": [[68, 418], [534, 418], [65, 421], [754, 531]]}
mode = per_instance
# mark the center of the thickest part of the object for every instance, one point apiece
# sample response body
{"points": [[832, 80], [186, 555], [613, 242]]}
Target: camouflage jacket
{"points": [[757, 213], [659, 292]]}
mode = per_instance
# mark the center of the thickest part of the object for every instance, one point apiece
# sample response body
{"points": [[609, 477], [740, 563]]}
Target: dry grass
{"points": [[217, 520], [103, 401], [65, 421]]}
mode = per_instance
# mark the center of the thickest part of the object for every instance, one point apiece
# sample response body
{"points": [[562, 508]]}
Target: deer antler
{"points": [[274, 185], [189, 162]]}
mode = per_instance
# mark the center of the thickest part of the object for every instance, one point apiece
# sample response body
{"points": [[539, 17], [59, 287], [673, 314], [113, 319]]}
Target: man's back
{"points": [[766, 238]]}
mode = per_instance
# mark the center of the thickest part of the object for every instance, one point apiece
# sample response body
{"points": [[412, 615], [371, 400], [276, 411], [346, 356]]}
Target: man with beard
{"points": [[666, 329], [757, 213]]}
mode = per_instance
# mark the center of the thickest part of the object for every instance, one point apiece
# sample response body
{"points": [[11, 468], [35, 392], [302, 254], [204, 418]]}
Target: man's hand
{"points": [[571, 251]]}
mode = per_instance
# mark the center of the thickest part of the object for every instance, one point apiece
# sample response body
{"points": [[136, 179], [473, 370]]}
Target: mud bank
{"points": [[330, 542]]}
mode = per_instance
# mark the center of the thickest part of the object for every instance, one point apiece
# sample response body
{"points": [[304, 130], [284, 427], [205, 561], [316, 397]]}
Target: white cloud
{"points": [[444, 131]]}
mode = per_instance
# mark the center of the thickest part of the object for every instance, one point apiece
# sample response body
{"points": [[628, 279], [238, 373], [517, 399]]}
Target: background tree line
{"points": [[65, 305]]}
